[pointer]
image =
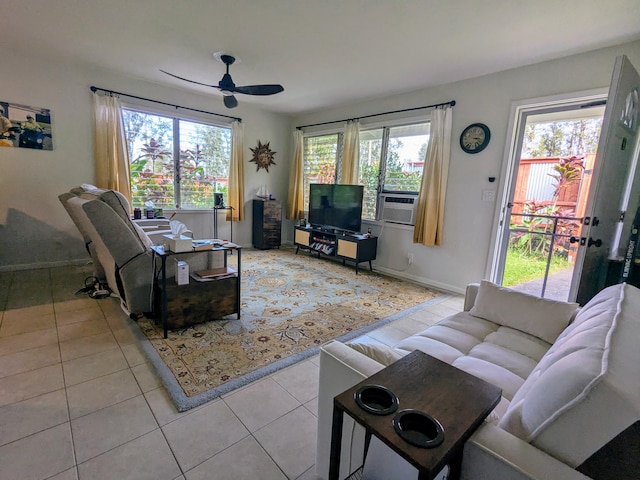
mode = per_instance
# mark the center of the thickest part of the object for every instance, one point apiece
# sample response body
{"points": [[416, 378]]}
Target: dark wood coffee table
{"points": [[458, 400]]}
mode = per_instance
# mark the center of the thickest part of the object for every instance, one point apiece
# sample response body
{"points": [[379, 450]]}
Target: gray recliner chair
{"points": [[122, 248], [154, 228], [86, 192]]}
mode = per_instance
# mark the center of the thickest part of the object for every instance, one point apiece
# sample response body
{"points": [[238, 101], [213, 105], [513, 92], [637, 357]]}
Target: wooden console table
{"points": [[217, 297], [458, 400]]}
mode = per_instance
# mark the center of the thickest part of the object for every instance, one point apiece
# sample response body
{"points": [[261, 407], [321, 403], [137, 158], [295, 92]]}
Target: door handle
{"points": [[573, 239], [597, 243]]}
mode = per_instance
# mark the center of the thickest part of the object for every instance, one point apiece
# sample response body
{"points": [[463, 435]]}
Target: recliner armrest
{"points": [[493, 453]]}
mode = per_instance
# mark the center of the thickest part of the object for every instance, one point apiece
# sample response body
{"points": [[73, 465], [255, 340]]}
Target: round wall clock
{"points": [[475, 138]]}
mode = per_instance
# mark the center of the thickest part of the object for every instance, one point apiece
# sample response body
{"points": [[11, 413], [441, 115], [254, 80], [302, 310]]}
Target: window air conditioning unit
{"points": [[397, 208]]}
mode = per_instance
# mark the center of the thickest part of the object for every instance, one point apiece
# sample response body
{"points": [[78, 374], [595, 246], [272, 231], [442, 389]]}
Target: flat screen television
{"points": [[336, 206]]}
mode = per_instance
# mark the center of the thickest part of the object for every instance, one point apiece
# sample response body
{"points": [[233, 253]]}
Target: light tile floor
{"points": [[78, 400]]}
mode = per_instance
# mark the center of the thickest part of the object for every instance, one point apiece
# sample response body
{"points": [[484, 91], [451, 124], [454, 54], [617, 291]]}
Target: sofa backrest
{"points": [[585, 390]]}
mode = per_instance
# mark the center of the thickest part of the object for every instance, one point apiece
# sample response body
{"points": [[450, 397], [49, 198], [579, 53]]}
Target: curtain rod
{"points": [[435, 105], [111, 92]]}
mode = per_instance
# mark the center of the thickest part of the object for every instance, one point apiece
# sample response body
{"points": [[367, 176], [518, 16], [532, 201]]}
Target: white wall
{"points": [[35, 230], [468, 223]]}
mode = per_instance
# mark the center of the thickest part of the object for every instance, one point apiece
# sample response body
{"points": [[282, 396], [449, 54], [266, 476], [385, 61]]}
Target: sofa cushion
{"points": [[490, 372], [504, 357], [481, 348], [583, 392], [520, 342], [540, 317]]}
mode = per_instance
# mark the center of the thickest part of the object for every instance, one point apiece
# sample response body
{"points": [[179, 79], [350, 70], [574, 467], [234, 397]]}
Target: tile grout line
{"points": [[64, 385], [119, 347], [146, 400], [251, 434], [117, 322]]}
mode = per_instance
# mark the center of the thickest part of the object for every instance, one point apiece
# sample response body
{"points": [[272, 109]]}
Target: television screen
{"points": [[336, 206]]}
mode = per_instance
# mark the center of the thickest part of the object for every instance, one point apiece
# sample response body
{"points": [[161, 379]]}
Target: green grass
{"points": [[520, 267]]}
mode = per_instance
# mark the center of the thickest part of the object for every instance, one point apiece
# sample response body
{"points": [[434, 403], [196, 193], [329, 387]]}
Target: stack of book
{"points": [[199, 245], [213, 274]]}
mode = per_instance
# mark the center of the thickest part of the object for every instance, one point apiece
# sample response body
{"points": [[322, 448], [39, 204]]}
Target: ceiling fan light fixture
{"points": [[226, 58]]}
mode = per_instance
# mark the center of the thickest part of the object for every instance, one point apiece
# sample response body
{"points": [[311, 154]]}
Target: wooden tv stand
{"points": [[348, 247]]}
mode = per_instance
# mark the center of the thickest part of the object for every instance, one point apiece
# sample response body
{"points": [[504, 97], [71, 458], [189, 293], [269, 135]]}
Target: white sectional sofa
{"points": [[570, 380]]}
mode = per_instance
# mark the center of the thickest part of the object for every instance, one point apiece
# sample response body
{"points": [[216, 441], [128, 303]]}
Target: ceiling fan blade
{"points": [[260, 89], [187, 80], [227, 86], [230, 101]]}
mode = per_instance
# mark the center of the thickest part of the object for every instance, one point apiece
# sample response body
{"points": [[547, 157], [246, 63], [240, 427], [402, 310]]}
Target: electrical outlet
{"points": [[410, 258], [488, 195]]}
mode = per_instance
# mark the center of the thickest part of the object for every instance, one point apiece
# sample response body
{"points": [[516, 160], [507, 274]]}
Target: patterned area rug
{"points": [[290, 305]]}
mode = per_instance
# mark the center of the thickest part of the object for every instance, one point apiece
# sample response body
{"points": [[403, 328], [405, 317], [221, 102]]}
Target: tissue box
{"points": [[179, 243], [182, 272]]}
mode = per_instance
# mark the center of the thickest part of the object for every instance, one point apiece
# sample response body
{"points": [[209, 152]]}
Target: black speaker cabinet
{"points": [[267, 224]]}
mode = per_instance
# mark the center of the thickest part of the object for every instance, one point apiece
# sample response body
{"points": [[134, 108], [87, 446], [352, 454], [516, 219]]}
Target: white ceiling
{"points": [[324, 52]]}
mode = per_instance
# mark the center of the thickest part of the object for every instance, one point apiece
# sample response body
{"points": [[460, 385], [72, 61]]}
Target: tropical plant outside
{"points": [[202, 167], [402, 166], [543, 227], [531, 232]]}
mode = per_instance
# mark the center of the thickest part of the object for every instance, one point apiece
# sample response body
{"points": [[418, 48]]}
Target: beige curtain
{"points": [[110, 146], [350, 173], [430, 212], [295, 207], [236, 173]]}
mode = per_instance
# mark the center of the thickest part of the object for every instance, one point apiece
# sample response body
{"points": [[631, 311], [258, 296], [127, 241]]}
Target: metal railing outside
{"points": [[552, 233]]}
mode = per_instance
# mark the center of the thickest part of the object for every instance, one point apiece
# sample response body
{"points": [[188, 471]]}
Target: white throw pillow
{"points": [[540, 317]]}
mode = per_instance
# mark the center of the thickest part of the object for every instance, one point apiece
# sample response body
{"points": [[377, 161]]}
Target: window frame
{"points": [[185, 116], [386, 127]]}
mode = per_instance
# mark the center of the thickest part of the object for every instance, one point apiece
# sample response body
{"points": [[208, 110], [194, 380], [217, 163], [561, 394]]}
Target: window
{"points": [[391, 160], [407, 147], [320, 161], [176, 163]]}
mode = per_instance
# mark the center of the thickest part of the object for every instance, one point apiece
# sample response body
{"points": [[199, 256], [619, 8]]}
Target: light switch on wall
{"points": [[488, 195]]}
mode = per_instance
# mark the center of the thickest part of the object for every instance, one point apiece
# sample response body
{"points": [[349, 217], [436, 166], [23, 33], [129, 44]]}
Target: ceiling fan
{"points": [[228, 88]]}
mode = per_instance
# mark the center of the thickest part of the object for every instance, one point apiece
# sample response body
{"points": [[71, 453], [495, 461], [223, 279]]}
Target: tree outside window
{"points": [[320, 161], [176, 163]]}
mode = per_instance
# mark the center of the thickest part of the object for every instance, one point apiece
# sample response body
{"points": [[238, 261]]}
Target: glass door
{"points": [[553, 161]]}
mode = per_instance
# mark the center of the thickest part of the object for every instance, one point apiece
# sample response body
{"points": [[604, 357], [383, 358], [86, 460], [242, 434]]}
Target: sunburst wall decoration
{"points": [[262, 156]]}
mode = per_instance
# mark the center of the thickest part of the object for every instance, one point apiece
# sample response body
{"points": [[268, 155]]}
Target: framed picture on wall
{"points": [[22, 126]]}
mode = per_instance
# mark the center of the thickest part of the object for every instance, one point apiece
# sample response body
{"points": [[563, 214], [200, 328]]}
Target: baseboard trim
{"points": [[425, 282], [444, 287], [33, 266]]}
